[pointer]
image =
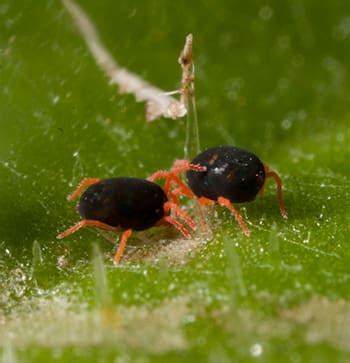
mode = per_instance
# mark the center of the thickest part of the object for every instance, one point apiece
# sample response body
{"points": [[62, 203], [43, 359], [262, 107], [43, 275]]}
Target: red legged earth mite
{"points": [[230, 175], [125, 204]]}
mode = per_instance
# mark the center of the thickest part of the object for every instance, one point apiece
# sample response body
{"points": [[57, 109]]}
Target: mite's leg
{"points": [[181, 166], [164, 174], [172, 178], [178, 226], [205, 201], [159, 174], [178, 167], [226, 203], [167, 188], [272, 174], [182, 188], [86, 182], [171, 206], [87, 223], [122, 244]]}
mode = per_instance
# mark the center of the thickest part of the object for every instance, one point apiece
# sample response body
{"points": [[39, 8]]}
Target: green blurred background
{"points": [[271, 77]]}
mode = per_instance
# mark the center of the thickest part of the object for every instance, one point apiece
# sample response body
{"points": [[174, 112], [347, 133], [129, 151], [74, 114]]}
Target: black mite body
{"points": [[124, 202], [225, 175], [232, 173]]}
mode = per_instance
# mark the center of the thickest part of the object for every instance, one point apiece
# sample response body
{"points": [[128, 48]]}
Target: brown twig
{"points": [[187, 93], [158, 103], [186, 62]]}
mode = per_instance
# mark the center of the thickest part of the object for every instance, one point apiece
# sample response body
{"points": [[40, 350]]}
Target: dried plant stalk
{"points": [[158, 103], [192, 146]]}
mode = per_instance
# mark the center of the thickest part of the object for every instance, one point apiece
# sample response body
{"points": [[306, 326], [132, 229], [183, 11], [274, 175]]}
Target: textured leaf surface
{"points": [[272, 78]]}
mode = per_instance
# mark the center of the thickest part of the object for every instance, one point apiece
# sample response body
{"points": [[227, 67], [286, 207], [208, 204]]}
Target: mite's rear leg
{"points": [[125, 236], [86, 182], [86, 223], [239, 219], [272, 174]]}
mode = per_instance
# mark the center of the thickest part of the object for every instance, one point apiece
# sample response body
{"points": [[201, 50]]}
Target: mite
{"points": [[125, 204], [230, 175]]}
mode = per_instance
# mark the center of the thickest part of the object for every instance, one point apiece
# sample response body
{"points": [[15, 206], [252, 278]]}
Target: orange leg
{"points": [[158, 175], [167, 175], [86, 182], [122, 245], [167, 186], [87, 223], [202, 201], [169, 206], [173, 196], [178, 167], [272, 174], [226, 203], [176, 193], [205, 201], [182, 187], [171, 177], [178, 226], [181, 166]]}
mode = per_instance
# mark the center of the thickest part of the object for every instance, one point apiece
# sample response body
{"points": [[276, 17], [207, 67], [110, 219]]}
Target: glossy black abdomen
{"points": [[232, 173], [124, 202]]}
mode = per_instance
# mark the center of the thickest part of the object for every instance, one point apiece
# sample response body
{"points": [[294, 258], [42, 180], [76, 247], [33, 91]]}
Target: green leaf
{"points": [[270, 77]]}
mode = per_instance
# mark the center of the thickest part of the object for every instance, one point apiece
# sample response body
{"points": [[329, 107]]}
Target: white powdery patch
{"points": [[323, 320], [58, 322]]}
